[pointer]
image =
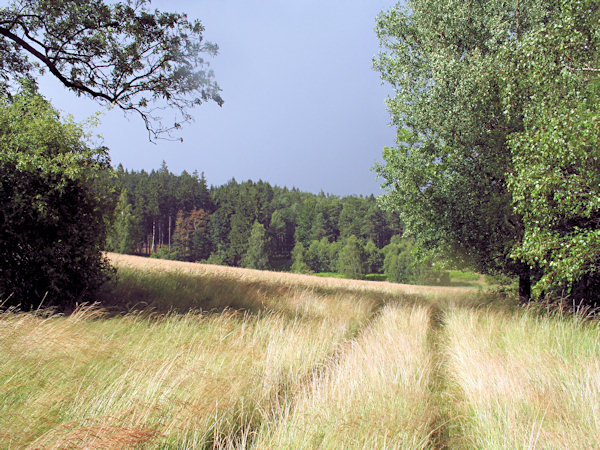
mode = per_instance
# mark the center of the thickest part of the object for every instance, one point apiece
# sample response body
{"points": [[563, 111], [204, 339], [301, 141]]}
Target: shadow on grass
{"points": [[163, 292]]}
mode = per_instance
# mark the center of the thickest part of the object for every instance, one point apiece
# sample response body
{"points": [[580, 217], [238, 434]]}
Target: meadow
{"points": [[181, 355]]}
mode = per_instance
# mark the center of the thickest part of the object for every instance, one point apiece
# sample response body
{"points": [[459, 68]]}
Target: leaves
{"points": [[54, 197], [447, 174], [121, 54], [556, 178]]}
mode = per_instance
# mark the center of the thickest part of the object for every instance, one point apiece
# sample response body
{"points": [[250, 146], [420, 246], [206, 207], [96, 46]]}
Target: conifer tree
{"points": [[124, 235]]}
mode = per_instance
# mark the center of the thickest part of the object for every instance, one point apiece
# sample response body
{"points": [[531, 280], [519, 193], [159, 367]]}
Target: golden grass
{"points": [[375, 394], [193, 356], [184, 380], [235, 274], [523, 381]]}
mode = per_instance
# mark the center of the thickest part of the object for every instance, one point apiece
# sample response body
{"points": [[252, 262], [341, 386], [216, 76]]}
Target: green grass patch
{"points": [[376, 277], [464, 275], [329, 275]]}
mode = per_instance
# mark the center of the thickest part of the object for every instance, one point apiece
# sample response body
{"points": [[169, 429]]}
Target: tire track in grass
{"points": [[283, 397], [439, 435], [374, 394]]}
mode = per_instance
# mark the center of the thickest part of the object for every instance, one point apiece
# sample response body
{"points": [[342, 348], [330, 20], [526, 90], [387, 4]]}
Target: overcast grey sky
{"points": [[303, 106]]}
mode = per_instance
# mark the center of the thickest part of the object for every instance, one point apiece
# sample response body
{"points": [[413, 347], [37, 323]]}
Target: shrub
{"points": [[52, 205]]}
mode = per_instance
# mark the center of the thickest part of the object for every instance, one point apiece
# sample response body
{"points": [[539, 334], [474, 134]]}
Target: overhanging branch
{"points": [[52, 68]]}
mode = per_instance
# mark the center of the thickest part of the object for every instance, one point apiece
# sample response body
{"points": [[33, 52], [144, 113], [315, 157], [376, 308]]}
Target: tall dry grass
{"points": [[521, 380], [193, 356], [182, 380], [375, 394], [279, 279]]}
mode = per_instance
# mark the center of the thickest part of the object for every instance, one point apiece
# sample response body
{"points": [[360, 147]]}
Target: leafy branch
{"points": [[141, 61]]}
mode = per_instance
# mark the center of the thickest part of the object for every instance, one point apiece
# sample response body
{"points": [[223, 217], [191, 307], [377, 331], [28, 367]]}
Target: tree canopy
{"points": [[496, 163], [555, 182], [447, 175], [118, 53]]}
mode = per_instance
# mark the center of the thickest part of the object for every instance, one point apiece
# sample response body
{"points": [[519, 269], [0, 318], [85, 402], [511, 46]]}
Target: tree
{"points": [[201, 244], [239, 237], [53, 203], [257, 255], [403, 264], [304, 221], [374, 227], [556, 178], [447, 175], [124, 233], [281, 229], [374, 257], [187, 228], [398, 261], [352, 259], [298, 263], [352, 216], [218, 229], [119, 54]]}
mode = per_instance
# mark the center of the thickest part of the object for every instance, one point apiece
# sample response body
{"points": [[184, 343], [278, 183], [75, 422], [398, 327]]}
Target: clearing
{"points": [[195, 356]]}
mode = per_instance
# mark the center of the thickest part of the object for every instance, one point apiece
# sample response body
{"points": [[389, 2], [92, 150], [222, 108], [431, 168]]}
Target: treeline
{"points": [[255, 225]]}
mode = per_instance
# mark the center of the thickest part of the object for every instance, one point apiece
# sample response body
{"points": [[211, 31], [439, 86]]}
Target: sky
{"points": [[303, 106]]}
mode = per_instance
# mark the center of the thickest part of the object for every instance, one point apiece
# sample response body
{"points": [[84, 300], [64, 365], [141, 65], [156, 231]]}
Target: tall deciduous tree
{"points": [[447, 175], [556, 177], [352, 259], [118, 53], [298, 263], [257, 255]]}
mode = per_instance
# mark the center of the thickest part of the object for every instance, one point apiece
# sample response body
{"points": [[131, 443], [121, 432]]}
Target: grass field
{"points": [[194, 356]]}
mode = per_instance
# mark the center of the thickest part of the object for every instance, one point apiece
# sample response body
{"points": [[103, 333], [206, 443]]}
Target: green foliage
{"points": [[119, 53], [321, 256], [465, 276], [375, 277], [158, 197], [374, 257], [239, 236], [165, 253], [352, 259], [404, 264], [447, 175], [190, 228], [216, 258], [201, 244], [124, 233], [257, 255], [352, 216], [298, 263], [398, 261], [556, 178], [53, 199], [281, 229]]}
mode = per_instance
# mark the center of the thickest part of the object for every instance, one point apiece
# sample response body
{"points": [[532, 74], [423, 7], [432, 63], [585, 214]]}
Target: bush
{"points": [[403, 265], [52, 206], [164, 253]]}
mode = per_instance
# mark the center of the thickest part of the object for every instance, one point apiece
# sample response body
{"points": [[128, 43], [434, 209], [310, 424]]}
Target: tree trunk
{"points": [[153, 235], [525, 286]]}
